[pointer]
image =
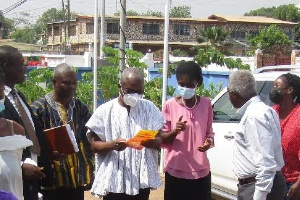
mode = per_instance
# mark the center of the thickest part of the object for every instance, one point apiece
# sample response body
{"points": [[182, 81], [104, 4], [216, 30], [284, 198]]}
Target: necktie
{"points": [[27, 124]]}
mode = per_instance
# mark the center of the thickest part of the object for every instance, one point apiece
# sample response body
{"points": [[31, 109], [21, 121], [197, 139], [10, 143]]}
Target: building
{"points": [[145, 33]]}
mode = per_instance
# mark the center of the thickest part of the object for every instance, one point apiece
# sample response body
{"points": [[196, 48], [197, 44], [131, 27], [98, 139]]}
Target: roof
{"points": [[147, 17], [153, 42], [249, 19]]}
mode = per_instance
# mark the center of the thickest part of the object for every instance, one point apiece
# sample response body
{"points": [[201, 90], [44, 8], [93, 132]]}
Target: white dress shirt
{"points": [[257, 149], [10, 97], [129, 170]]}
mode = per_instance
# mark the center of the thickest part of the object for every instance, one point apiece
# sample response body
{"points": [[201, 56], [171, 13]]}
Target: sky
{"points": [[199, 8]]}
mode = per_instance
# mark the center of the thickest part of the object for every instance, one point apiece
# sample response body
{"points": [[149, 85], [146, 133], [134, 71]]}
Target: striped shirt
{"points": [[129, 170], [76, 169]]}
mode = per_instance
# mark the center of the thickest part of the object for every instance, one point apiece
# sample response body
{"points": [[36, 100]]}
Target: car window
{"points": [[224, 111]]}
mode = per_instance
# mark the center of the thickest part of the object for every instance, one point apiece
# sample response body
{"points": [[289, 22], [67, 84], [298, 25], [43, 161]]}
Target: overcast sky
{"points": [[199, 8]]}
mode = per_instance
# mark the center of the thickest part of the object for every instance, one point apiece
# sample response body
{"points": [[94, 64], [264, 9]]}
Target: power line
{"points": [[12, 7]]}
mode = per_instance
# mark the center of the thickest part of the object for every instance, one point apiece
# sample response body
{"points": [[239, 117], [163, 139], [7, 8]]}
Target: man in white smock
{"points": [[123, 172]]}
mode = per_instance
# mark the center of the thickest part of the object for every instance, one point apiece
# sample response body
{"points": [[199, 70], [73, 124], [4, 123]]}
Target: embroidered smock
{"points": [[182, 159], [290, 140], [129, 170]]}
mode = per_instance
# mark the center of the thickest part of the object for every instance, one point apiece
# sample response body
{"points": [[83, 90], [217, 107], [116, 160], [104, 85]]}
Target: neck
{"points": [[9, 84], [190, 103], [285, 107], [64, 101], [121, 102]]}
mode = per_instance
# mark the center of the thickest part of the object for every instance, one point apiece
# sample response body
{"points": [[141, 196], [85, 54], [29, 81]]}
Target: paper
{"points": [[141, 136]]}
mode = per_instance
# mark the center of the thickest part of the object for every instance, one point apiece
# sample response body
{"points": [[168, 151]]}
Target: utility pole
{"points": [[122, 35], [65, 26], [102, 34], [165, 69], [69, 17], [95, 55]]}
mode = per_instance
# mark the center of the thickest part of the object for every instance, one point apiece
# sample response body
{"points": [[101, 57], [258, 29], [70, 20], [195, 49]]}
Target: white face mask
{"points": [[186, 93], [131, 99]]}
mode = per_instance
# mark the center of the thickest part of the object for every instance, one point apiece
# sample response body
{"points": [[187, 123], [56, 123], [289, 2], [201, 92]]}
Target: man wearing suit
{"points": [[34, 162]]}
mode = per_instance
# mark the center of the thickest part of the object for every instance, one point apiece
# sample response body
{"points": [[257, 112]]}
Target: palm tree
{"points": [[215, 37]]}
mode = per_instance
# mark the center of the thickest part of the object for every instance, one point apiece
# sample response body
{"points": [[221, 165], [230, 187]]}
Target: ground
{"points": [[154, 194]]}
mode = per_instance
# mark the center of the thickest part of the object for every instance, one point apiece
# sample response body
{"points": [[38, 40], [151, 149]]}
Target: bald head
{"points": [[63, 68], [132, 74]]}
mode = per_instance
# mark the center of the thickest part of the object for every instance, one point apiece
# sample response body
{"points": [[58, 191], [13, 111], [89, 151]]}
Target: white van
{"points": [[225, 120]]}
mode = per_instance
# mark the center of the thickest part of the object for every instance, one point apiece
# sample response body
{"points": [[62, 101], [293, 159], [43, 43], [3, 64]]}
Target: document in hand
{"points": [[141, 136], [62, 139]]}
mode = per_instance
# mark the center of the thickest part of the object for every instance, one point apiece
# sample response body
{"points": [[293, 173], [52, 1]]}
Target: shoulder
{"points": [[147, 103], [204, 100], [106, 106], [171, 102], [39, 103], [260, 110]]}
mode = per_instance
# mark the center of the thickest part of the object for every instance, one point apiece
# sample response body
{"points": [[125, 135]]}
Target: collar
{"points": [[7, 90], [243, 109]]}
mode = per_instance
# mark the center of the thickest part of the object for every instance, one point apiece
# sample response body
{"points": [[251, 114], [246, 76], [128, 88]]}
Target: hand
{"points": [[180, 125], [18, 128], [57, 156], [294, 192], [32, 172], [207, 144], [119, 144]]}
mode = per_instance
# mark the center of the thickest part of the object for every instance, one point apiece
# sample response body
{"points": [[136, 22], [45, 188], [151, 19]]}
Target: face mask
{"points": [[131, 99], [186, 93], [275, 95], [2, 106]]}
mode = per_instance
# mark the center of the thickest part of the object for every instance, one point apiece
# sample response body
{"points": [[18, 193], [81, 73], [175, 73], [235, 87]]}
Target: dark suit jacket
{"points": [[43, 160]]}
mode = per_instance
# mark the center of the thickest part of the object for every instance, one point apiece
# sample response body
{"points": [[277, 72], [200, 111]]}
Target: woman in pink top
{"points": [[187, 136]]}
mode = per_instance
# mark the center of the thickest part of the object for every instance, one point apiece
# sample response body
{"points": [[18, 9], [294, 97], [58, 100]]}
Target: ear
{"points": [[290, 90]]}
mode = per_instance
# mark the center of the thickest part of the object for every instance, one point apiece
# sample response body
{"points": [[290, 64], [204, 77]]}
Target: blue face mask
{"points": [[186, 93], [2, 106]]}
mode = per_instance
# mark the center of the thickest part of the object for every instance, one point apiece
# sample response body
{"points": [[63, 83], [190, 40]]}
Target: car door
{"points": [[225, 126]]}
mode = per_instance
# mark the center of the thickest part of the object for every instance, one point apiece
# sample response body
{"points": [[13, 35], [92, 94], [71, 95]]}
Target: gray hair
{"points": [[61, 68], [242, 82], [132, 72]]}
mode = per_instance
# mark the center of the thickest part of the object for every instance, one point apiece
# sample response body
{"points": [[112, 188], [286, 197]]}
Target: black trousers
{"points": [[143, 195], [189, 189], [64, 194], [30, 189]]}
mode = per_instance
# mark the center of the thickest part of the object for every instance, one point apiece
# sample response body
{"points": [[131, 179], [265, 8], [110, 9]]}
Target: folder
{"points": [[62, 139], [141, 136]]}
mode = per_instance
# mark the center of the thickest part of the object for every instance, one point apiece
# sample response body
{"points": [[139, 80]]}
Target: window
{"points": [[113, 28], [181, 29], [72, 30], [150, 29], [57, 31], [225, 112], [238, 35], [89, 28]]}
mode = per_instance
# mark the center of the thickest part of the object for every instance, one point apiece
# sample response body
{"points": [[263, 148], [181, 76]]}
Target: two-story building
{"points": [[144, 33]]}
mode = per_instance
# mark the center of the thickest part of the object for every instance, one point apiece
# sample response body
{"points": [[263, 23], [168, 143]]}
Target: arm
{"points": [[155, 143], [294, 192], [98, 146], [168, 137], [209, 141], [260, 138]]}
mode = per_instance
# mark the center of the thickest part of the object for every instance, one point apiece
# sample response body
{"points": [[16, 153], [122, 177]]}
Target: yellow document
{"points": [[141, 136]]}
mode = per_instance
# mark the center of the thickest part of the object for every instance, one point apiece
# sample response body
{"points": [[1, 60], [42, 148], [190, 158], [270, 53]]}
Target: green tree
{"points": [[180, 12], [272, 40], [284, 12], [153, 13], [216, 37], [25, 35], [6, 25]]}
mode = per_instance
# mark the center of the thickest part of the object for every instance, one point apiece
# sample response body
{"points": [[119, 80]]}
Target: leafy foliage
{"points": [[272, 40], [37, 84], [287, 12], [6, 25], [180, 12], [211, 55]]}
